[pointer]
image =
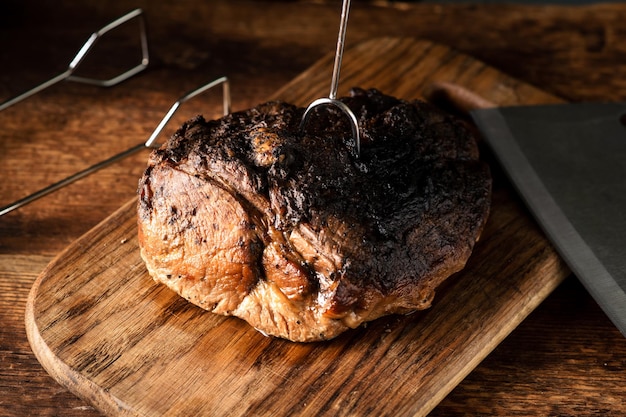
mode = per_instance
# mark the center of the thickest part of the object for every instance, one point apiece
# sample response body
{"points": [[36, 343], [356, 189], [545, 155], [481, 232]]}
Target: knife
{"points": [[568, 163]]}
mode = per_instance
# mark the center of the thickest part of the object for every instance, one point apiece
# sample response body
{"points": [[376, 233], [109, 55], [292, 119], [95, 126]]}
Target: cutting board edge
{"points": [[74, 381], [561, 273]]}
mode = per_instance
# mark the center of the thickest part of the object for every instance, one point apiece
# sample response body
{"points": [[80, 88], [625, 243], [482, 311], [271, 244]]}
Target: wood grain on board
{"points": [[102, 328]]}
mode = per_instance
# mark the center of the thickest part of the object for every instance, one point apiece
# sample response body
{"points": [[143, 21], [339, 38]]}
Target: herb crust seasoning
{"points": [[293, 232]]}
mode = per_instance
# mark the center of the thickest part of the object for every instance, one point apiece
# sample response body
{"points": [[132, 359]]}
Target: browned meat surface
{"points": [[292, 232]]}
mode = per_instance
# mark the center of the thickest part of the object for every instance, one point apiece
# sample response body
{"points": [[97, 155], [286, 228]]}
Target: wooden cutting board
{"points": [[102, 328]]}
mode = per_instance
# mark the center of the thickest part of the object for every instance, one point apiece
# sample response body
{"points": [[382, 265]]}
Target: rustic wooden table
{"points": [[565, 359]]}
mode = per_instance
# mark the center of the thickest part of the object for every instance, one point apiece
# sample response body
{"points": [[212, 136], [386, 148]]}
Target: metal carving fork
{"points": [[332, 97]]}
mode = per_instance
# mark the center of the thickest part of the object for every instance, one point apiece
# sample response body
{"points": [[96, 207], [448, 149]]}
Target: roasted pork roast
{"points": [[292, 231]]}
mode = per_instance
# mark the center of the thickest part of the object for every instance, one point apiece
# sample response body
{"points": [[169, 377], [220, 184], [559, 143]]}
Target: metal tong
{"points": [[67, 75], [150, 143], [332, 97], [84, 50]]}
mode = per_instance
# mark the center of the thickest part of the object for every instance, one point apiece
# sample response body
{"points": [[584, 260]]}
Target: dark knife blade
{"points": [[568, 162]]}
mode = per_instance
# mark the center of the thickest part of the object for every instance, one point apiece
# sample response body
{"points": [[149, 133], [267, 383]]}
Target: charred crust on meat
{"points": [[298, 235]]}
